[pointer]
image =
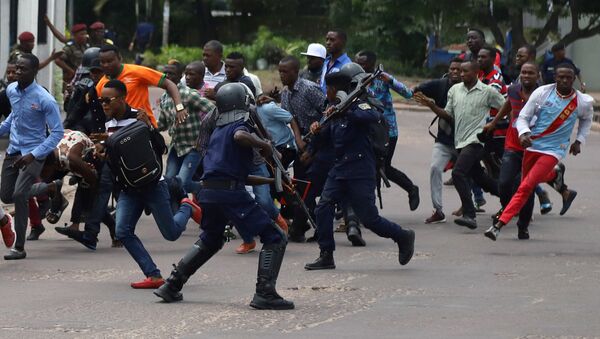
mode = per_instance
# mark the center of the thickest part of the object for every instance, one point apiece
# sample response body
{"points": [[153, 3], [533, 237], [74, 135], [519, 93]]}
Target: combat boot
{"points": [[354, 234], [406, 246], [324, 262], [269, 264], [187, 266]]}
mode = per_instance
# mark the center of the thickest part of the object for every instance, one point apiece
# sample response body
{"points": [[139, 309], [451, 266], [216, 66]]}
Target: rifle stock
{"points": [[280, 173]]}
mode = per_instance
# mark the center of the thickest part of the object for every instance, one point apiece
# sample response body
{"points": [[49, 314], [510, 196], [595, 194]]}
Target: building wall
{"points": [[585, 54], [27, 20]]}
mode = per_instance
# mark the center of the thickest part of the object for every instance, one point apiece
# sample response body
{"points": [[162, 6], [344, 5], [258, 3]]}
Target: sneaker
{"points": [[196, 210], [546, 208], [523, 234], [246, 248], [559, 181], [480, 202], [15, 254], [496, 216], [492, 233], [36, 231], [148, 283], [458, 212], [436, 218], [545, 203], [465, 221], [568, 201], [8, 234], [449, 182]]}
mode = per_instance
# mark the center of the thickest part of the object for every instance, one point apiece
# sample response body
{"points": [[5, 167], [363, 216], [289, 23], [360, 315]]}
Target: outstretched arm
{"points": [[57, 34]]}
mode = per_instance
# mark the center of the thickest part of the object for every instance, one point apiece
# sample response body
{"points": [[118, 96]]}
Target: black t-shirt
{"points": [[438, 91]]}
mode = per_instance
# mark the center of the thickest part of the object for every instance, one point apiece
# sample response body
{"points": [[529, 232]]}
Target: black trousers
{"points": [[393, 174], [466, 168]]}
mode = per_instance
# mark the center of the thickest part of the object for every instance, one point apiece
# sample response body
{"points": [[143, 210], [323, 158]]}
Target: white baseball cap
{"points": [[316, 50]]}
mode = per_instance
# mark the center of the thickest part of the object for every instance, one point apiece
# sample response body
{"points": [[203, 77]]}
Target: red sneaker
{"points": [[196, 210], [246, 248], [148, 283], [8, 235]]}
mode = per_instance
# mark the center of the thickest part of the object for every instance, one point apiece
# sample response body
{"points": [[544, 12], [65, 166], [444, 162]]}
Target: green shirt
{"points": [[185, 135], [470, 109]]}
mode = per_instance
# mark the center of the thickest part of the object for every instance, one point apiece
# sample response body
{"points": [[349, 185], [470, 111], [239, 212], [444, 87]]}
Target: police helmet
{"points": [[89, 55], [347, 77], [233, 97]]}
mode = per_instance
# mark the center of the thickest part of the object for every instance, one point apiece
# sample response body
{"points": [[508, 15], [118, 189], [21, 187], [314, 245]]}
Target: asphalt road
{"points": [[458, 285]]}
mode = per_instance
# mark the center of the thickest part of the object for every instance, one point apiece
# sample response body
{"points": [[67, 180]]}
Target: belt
{"points": [[229, 185]]}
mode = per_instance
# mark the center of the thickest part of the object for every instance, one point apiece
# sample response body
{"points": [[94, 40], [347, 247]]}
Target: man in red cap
{"points": [[97, 31], [25, 46], [73, 52]]}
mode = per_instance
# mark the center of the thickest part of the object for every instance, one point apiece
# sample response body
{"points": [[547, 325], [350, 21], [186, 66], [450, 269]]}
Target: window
{"points": [[42, 32]]}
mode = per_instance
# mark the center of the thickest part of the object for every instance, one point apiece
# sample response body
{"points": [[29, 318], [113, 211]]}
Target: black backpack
{"points": [[379, 132], [135, 154]]}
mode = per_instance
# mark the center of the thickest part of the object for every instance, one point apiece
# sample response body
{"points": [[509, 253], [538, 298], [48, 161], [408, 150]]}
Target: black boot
{"points": [[188, 265], [269, 263], [406, 246], [354, 235], [324, 262]]}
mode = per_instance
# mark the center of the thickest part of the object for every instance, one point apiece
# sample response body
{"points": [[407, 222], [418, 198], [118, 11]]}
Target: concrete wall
{"points": [[585, 53]]}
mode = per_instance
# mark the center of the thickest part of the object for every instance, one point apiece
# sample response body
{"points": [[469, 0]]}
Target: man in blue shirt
{"points": [[33, 109], [380, 89], [335, 42]]}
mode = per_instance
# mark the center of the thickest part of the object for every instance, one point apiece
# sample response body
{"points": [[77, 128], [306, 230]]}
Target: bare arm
{"points": [[254, 180], [171, 88], [425, 101], [65, 67], [79, 166], [504, 110], [297, 135], [53, 56], [57, 34]]}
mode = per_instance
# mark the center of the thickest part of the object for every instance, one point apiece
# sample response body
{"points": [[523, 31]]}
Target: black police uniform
{"points": [[223, 197], [352, 181], [84, 111]]}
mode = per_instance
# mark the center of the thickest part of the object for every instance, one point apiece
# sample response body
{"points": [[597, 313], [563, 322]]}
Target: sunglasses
{"points": [[107, 100]]}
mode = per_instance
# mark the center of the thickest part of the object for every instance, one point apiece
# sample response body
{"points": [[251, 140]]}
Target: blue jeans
{"points": [[129, 209], [360, 195], [184, 167]]}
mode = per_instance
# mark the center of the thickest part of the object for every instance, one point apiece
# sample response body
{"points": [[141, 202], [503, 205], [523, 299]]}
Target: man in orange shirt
{"points": [[137, 79]]}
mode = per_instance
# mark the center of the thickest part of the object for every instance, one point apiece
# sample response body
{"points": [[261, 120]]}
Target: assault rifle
{"points": [[280, 173], [346, 100]]}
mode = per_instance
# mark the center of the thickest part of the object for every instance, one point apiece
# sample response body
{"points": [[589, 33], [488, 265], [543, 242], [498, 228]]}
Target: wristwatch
{"points": [[179, 107]]}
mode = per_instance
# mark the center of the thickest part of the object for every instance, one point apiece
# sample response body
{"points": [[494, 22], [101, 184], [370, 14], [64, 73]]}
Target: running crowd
{"points": [[230, 143]]}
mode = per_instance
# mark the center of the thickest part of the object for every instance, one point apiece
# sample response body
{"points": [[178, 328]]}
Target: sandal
{"points": [[54, 215]]}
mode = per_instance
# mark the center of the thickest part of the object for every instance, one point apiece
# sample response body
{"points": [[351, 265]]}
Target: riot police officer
{"points": [[227, 163], [352, 179], [84, 112]]}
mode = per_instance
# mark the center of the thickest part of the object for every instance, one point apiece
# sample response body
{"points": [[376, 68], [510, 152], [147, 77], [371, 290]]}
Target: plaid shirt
{"points": [[185, 135], [305, 101]]}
